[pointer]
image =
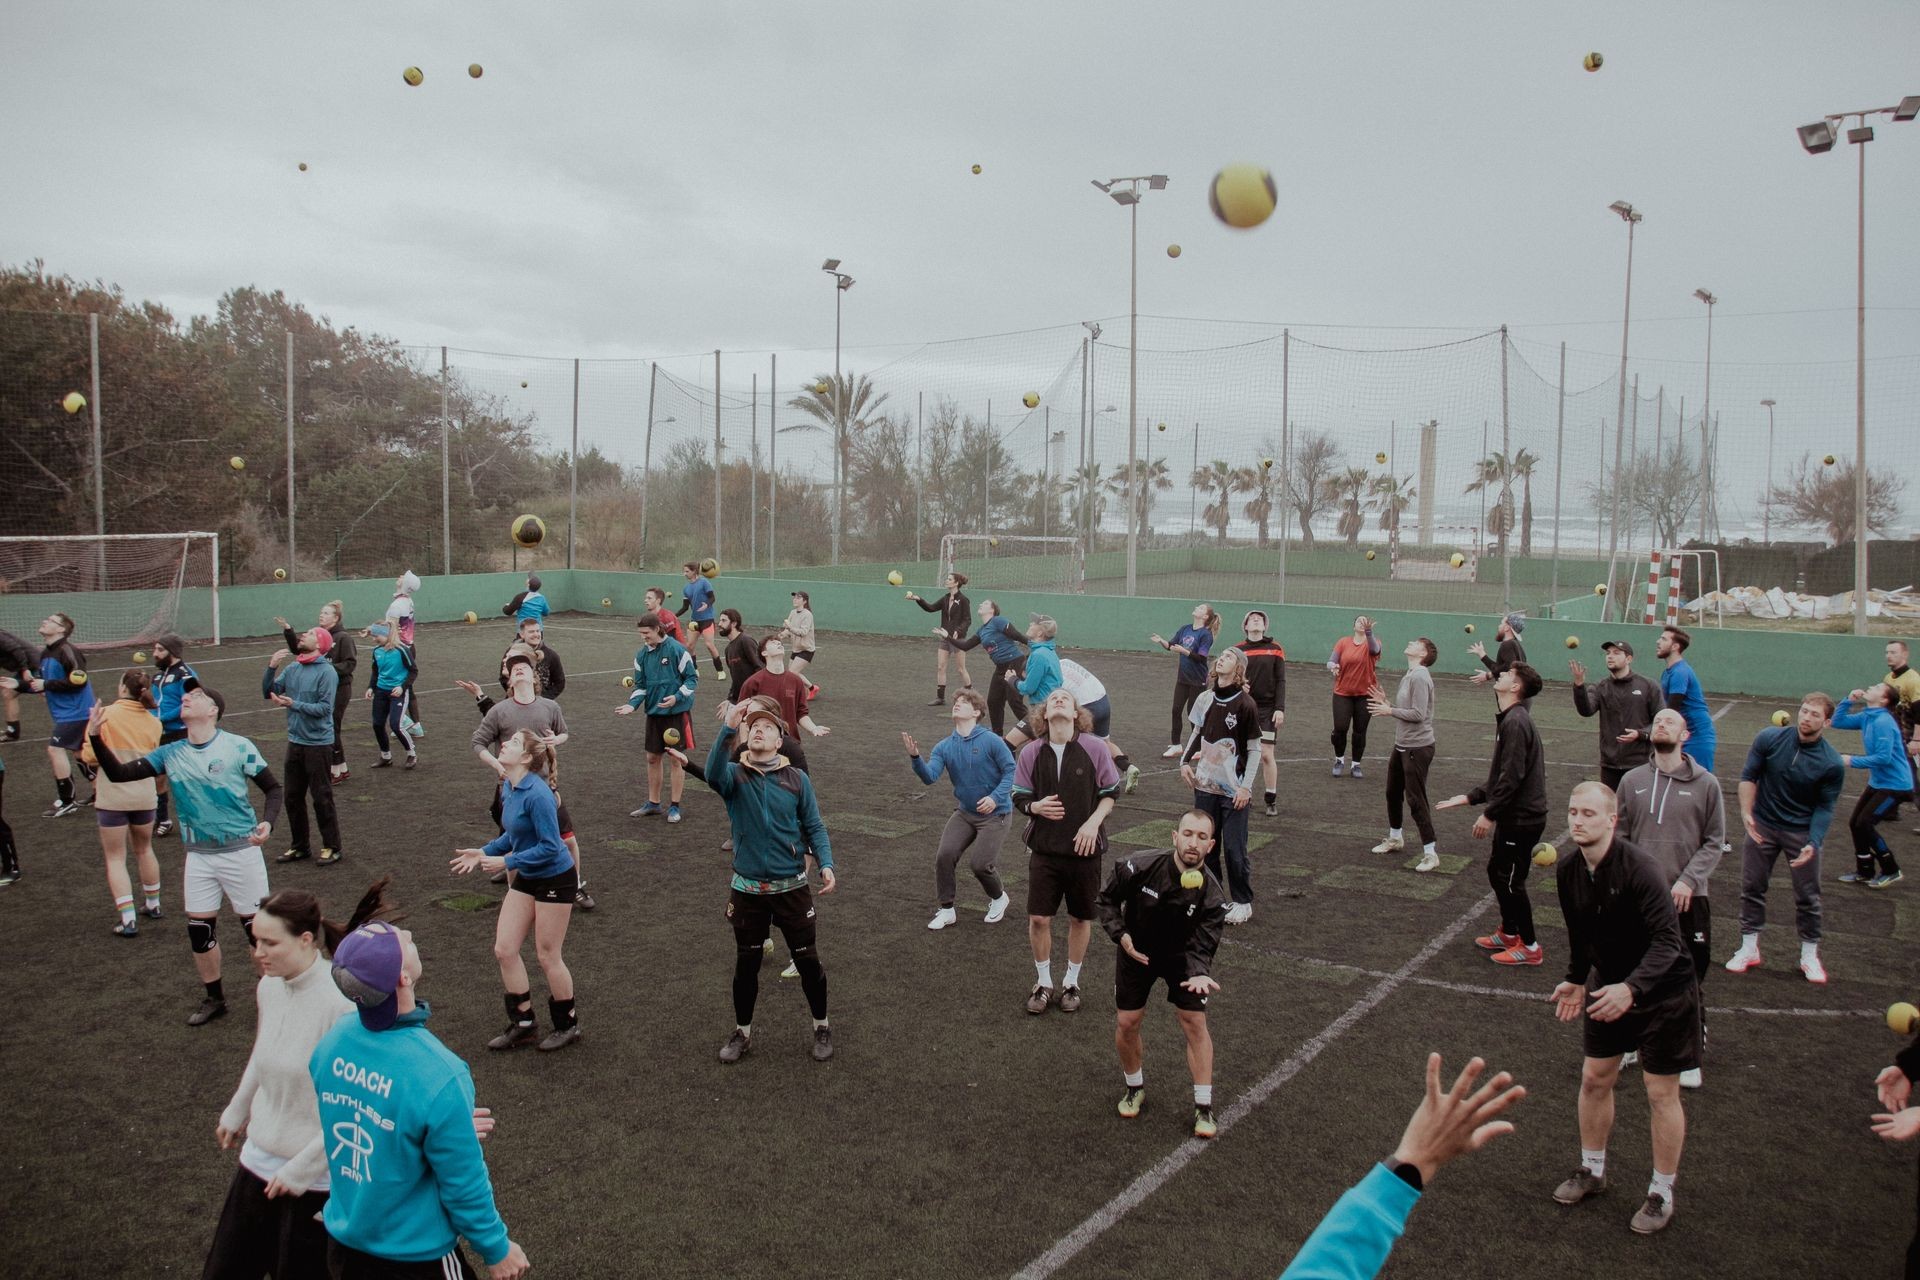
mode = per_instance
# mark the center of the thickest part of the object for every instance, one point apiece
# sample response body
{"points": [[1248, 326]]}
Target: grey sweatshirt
{"points": [[1621, 705], [1678, 819], [1413, 709]]}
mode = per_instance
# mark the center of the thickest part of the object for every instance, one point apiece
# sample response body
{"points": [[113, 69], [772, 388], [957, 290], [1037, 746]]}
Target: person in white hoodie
{"points": [[1674, 811], [270, 1224]]}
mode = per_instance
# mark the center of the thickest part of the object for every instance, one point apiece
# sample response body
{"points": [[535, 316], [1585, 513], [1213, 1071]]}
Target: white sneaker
{"points": [[1744, 959], [943, 917], [1240, 913], [1171, 753], [1690, 1078], [1629, 1059], [1392, 844], [1815, 971], [997, 909], [791, 971], [1428, 862]]}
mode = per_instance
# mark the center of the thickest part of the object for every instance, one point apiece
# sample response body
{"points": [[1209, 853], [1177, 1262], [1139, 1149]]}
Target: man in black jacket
{"points": [[532, 636], [1515, 796], [1628, 973], [742, 656], [1625, 704], [1164, 912], [1510, 652]]}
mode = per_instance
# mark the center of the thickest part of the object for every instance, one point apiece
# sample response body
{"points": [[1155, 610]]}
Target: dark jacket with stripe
{"points": [[1082, 778], [1266, 673], [1515, 791], [1176, 929], [956, 613]]}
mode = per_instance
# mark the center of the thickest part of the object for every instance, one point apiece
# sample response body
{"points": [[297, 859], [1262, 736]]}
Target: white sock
{"points": [[1595, 1162], [1809, 951], [1045, 969], [1750, 943], [1662, 1185], [1393, 833], [1427, 847], [1203, 1095], [1073, 974], [819, 1024], [746, 1030], [1137, 1079]]}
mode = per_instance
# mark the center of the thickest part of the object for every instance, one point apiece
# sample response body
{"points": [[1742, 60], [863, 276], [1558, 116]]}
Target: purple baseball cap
{"points": [[366, 968]]}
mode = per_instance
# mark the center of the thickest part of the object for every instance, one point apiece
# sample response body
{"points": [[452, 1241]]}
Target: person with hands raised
{"points": [[1355, 664], [1625, 703], [980, 767], [1193, 644], [1515, 796]]}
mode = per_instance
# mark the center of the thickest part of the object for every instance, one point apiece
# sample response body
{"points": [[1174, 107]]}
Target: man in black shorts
{"points": [[1164, 912], [1628, 973], [1065, 783]]}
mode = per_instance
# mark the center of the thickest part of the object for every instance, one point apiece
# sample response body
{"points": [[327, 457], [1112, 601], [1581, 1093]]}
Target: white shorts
{"points": [[240, 875]]}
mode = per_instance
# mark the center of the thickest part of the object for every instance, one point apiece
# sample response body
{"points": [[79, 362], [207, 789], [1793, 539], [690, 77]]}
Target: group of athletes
{"points": [[394, 1197]]}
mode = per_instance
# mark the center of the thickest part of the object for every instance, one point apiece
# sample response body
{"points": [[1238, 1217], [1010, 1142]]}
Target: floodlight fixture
{"points": [[1626, 211], [1158, 182], [1909, 107], [831, 264], [1817, 137], [1705, 297], [1125, 197], [1860, 133], [846, 282]]}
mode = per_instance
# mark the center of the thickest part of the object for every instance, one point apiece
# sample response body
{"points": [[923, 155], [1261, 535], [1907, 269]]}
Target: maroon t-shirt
{"points": [[784, 687]]}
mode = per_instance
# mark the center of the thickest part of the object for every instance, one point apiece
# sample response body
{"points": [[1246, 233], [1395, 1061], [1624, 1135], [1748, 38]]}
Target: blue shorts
{"points": [[124, 818], [1101, 709]]}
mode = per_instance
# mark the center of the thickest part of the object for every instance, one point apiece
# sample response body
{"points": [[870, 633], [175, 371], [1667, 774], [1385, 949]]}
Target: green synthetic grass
{"points": [[952, 1134]]}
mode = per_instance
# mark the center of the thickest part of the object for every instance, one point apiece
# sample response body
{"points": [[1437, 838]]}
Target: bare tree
{"points": [[1664, 489], [1823, 497], [1316, 458]]}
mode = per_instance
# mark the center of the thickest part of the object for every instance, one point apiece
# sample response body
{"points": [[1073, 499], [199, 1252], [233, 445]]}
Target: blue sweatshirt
{"points": [[311, 685], [1797, 784], [1352, 1242], [774, 816], [67, 700], [979, 764], [1682, 691], [666, 670], [1885, 757], [1003, 644], [396, 1110], [1043, 672], [169, 686], [528, 604], [530, 829], [393, 666], [1193, 665]]}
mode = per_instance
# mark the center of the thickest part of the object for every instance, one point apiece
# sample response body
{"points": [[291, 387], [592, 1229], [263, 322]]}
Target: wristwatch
{"points": [[1405, 1171]]}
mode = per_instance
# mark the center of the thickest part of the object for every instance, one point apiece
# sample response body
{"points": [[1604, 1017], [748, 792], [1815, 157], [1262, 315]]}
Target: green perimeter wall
{"points": [[1758, 663]]}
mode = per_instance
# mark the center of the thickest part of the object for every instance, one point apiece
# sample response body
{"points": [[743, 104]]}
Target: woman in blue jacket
{"points": [[1889, 782], [541, 885], [390, 689], [1008, 649], [1194, 644], [63, 679]]}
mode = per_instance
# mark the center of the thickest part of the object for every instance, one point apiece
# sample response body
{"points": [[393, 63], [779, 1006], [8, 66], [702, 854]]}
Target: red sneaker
{"points": [[813, 691], [1497, 941], [1520, 955]]}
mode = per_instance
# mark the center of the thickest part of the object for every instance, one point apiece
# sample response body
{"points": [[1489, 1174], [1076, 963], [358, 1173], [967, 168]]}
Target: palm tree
{"points": [[1350, 489], [1088, 486], [1496, 472], [1524, 461], [1260, 482], [1155, 476], [1394, 496], [1229, 480], [845, 409]]}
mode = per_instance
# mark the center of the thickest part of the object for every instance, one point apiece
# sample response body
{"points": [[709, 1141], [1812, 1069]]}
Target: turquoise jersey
{"points": [[209, 783]]}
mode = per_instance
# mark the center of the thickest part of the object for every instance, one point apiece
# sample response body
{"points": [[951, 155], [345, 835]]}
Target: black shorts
{"points": [[1666, 1034], [1133, 983], [1052, 879], [560, 888], [351, 1264], [1265, 720], [657, 727], [801, 655], [754, 916], [69, 735], [948, 646], [172, 735], [699, 628]]}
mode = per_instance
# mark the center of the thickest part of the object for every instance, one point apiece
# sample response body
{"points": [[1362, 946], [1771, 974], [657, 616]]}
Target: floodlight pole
{"points": [[1766, 505], [1631, 216], [1707, 503], [1131, 197], [841, 283]]}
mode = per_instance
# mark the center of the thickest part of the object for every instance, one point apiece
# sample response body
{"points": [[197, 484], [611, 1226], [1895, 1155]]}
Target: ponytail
{"points": [[138, 686], [300, 912]]}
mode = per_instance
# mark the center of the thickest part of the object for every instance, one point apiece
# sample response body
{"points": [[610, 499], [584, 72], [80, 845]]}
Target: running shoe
{"points": [[293, 855], [1171, 753], [1690, 1078], [1070, 999], [943, 918], [1340, 767], [1584, 1182], [1885, 879], [813, 691], [997, 909], [1133, 778], [516, 1034], [1532, 955], [651, 809], [1039, 998], [152, 913], [1355, 771], [560, 1039], [329, 858], [209, 1010], [1854, 877], [1428, 862], [1652, 1216], [1497, 941], [8, 875], [1815, 971], [61, 808], [673, 813], [822, 1043], [1131, 1101], [1273, 810], [127, 929], [163, 828], [412, 759], [1204, 1125], [584, 900], [792, 970], [737, 1044], [1743, 960], [1392, 844], [1240, 913], [384, 762]]}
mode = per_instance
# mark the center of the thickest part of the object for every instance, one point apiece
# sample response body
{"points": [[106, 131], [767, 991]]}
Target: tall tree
{"points": [[1352, 490], [1822, 497], [1088, 492], [1496, 473], [1316, 457], [843, 410], [1393, 495], [1262, 481], [1224, 478], [1155, 477], [1524, 463]]}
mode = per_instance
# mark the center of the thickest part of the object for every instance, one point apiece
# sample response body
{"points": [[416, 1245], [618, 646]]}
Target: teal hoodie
{"points": [[1885, 756], [1043, 672], [311, 685], [775, 817], [396, 1116]]}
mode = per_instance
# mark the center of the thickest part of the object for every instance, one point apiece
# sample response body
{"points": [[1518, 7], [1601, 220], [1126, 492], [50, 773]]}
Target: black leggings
{"points": [[1507, 866], [342, 699], [1874, 807], [1350, 710], [1407, 780], [9, 856], [1002, 696], [746, 981], [1183, 696]]}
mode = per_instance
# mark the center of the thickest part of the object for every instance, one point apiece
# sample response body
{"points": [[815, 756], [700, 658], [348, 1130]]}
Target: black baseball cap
{"points": [[1621, 645]]}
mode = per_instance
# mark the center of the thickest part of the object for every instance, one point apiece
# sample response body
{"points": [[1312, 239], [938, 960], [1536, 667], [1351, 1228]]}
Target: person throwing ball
{"points": [[1164, 912], [698, 597], [664, 677]]}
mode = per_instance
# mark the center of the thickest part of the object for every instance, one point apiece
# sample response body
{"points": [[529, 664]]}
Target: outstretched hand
{"points": [[1447, 1125]]}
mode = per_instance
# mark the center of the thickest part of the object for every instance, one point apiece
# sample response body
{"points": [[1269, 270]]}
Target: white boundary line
{"points": [[1070, 1245]]}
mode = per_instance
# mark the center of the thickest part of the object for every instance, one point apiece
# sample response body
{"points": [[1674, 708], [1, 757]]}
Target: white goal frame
{"points": [[1018, 545], [189, 537], [1423, 569]]}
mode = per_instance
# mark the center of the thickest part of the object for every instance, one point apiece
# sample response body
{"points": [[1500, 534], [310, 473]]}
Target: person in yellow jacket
{"points": [[125, 810]]}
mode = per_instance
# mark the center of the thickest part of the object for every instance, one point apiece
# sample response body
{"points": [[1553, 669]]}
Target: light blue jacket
{"points": [[1043, 672], [1352, 1242], [1885, 757], [311, 685], [980, 764]]}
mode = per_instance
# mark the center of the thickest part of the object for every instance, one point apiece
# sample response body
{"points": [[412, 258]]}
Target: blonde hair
{"points": [[541, 758]]}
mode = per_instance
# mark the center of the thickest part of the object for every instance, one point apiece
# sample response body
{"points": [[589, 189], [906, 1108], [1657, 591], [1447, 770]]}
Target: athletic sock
{"points": [[745, 1029], [1073, 975], [1045, 969], [1750, 942], [940, 691], [125, 907], [819, 1024], [1122, 763], [63, 789], [565, 1018], [153, 896], [1203, 1095], [1427, 847], [1809, 951], [1136, 1079], [1662, 1185], [1595, 1162], [216, 992], [519, 1007], [1273, 797], [1393, 833]]}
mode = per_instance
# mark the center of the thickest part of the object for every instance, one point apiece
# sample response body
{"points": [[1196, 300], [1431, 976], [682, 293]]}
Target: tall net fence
{"points": [[1458, 472]]}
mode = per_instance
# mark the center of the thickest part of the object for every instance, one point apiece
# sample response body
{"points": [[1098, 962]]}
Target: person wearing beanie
{"points": [[400, 618], [1267, 682], [170, 676], [1625, 703], [62, 678], [1511, 651], [530, 605], [304, 683], [408, 1177], [124, 811]]}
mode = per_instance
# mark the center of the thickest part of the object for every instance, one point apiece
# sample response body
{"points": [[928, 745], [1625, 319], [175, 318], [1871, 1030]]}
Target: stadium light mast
{"points": [[841, 283], [1818, 138], [1766, 506], [1631, 216], [1707, 502], [1129, 198]]}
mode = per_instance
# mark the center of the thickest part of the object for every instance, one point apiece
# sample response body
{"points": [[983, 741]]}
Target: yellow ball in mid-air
{"points": [[474, 70], [1160, 427], [523, 385], [1545, 855], [1593, 62], [528, 530], [1173, 251], [896, 578], [822, 387], [74, 402], [1380, 458], [1266, 464], [671, 737], [1902, 1017], [279, 575], [1829, 460], [606, 602], [470, 617], [976, 168], [303, 166], [1031, 399], [1242, 195], [626, 682], [709, 568], [139, 657], [237, 462], [1573, 642], [413, 76], [1468, 628], [1781, 719], [993, 542], [77, 677], [1192, 878], [1457, 560], [1599, 588], [1370, 555]]}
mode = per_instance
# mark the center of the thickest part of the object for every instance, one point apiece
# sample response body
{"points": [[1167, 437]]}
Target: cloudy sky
{"points": [[645, 180]]}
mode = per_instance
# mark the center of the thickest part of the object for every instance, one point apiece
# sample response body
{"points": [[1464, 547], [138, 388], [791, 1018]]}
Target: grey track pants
{"points": [[978, 835]]}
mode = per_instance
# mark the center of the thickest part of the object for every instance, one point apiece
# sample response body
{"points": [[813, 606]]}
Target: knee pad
{"points": [[246, 927], [203, 935]]}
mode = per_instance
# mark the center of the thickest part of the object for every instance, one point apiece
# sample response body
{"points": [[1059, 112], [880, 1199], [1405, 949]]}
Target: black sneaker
{"points": [[8, 875], [822, 1043], [127, 929], [1070, 999], [293, 855], [384, 762], [514, 1036], [737, 1044], [12, 733], [61, 808], [152, 913], [559, 1039], [584, 900], [209, 1010], [329, 857], [1273, 810]]}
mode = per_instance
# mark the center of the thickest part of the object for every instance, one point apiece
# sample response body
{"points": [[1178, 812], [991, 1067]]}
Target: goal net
{"points": [[1015, 562], [120, 589], [1434, 560]]}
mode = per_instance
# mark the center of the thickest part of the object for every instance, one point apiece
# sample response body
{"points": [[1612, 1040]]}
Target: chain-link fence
{"points": [[1305, 465]]}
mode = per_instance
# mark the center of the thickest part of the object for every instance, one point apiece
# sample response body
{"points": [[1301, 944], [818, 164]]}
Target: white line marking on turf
{"points": [[1069, 1245], [1722, 711]]}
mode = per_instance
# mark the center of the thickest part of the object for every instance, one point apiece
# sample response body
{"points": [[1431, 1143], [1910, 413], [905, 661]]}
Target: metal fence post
{"points": [[718, 504], [1506, 490], [1286, 456], [99, 457], [773, 460], [446, 484], [1559, 454], [573, 467], [293, 557], [753, 476], [646, 463]]}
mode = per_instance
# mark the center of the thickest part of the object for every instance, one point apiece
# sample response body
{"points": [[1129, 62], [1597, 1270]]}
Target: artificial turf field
{"points": [[952, 1133]]}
